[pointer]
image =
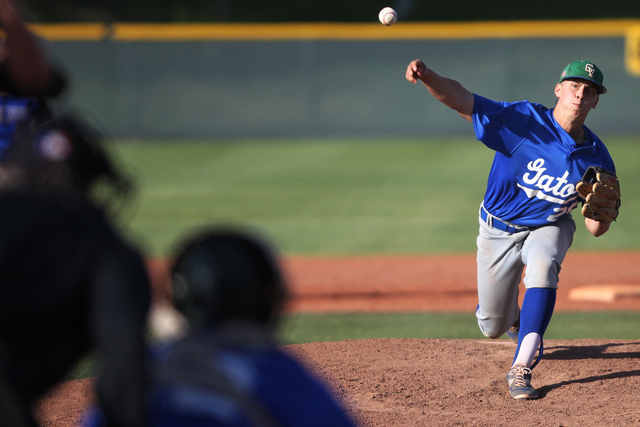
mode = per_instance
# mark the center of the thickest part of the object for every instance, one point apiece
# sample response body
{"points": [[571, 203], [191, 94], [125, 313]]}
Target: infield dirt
{"points": [[438, 382]]}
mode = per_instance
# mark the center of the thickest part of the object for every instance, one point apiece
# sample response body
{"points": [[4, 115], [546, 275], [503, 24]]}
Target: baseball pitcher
{"points": [[546, 163]]}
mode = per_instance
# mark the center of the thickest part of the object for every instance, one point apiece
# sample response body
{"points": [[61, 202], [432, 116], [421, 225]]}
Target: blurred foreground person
{"points": [[19, 110], [228, 370], [26, 69], [27, 79], [69, 284]]}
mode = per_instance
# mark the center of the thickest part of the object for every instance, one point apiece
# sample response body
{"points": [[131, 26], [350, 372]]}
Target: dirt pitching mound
{"points": [[436, 382]]}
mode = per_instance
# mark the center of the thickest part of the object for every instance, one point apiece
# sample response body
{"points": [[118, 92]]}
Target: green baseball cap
{"points": [[586, 70]]}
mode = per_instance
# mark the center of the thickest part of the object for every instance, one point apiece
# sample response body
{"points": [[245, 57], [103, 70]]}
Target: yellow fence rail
{"points": [[629, 29], [336, 31]]}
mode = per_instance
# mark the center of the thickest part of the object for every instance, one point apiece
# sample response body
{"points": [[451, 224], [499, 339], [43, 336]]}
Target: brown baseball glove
{"points": [[600, 190]]}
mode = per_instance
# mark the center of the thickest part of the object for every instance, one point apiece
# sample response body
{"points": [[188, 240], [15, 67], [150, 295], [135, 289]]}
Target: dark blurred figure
{"points": [[19, 110], [26, 77], [228, 369], [25, 70], [68, 283]]}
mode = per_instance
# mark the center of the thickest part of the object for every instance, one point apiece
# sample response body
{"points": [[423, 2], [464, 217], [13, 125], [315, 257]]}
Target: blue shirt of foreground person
{"points": [[228, 370]]}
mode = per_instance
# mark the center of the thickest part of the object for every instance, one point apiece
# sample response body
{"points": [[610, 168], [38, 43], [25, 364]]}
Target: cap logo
{"points": [[589, 69]]}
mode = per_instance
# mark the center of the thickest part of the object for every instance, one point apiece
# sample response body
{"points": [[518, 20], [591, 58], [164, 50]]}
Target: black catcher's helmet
{"points": [[224, 274]]}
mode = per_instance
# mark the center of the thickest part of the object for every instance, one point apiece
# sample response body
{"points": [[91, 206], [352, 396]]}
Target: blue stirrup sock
{"points": [[537, 309]]}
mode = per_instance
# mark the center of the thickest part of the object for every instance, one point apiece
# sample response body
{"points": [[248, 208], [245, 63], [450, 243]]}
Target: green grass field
{"points": [[339, 197], [302, 328], [336, 197]]}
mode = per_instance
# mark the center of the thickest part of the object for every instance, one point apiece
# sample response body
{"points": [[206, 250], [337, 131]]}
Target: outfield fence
{"points": [[344, 80]]}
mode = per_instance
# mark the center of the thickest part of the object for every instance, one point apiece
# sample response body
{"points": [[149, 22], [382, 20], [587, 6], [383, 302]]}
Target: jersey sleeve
{"points": [[502, 126]]}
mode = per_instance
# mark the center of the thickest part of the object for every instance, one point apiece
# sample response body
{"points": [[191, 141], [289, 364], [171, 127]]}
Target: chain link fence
{"points": [[253, 88]]}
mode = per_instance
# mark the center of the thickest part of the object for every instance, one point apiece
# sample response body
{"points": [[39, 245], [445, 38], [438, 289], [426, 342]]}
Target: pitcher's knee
{"points": [[492, 329], [491, 334]]}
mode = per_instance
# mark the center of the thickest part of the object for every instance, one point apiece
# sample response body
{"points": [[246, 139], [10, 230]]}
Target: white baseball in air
{"points": [[388, 16]]}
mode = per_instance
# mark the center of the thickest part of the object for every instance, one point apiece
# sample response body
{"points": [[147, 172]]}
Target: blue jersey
{"points": [[201, 383], [537, 163], [13, 110], [276, 382]]}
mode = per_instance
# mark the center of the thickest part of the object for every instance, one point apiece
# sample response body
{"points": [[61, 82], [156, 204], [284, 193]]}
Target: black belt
{"points": [[500, 224]]}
